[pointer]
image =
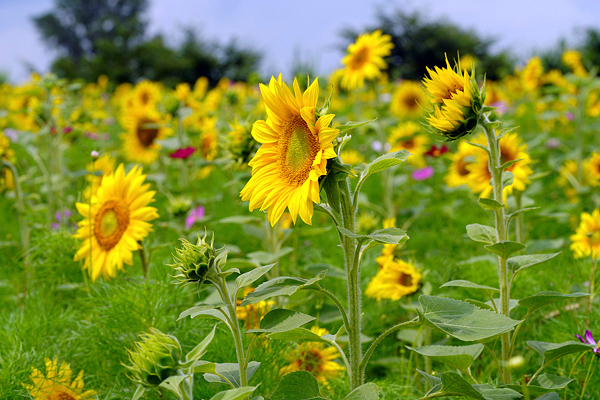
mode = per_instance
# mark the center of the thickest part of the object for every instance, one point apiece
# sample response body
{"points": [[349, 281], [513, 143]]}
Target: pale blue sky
{"points": [[309, 29]]}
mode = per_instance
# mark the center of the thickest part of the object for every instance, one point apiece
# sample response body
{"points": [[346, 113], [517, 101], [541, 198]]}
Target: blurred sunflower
{"points": [[531, 76], [145, 96], [252, 314], [568, 179], [572, 59], [115, 223], [365, 59], [6, 154], [592, 167], [396, 279], [316, 358], [407, 100], [406, 136], [142, 129], [586, 240], [352, 157], [458, 171], [295, 148], [387, 252], [57, 384]]}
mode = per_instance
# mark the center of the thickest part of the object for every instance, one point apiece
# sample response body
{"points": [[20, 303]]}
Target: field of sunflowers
{"points": [[336, 237]]}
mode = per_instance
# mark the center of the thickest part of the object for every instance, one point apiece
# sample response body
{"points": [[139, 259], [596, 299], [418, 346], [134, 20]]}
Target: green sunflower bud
{"points": [[194, 261], [154, 359], [180, 205], [171, 104]]}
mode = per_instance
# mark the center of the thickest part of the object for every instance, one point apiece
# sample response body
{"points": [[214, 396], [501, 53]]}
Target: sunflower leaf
{"points": [[554, 351], [200, 349], [280, 320], [384, 162], [368, 391], [490, 204], [387, 235], [250, 277], [299, 385], [539, 300], [459, 357], [280, 286], [519, 263], [482, 233], [504, 249], [352, 125], [238, 393], [231, 371], [298, 335]]}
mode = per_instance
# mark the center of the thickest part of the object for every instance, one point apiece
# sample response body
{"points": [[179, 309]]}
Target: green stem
{"points": [[496, 172], [235, 331], [337, 303], [592, 285], [537, 373], [590, 372], [144, 260], [520, 228]]}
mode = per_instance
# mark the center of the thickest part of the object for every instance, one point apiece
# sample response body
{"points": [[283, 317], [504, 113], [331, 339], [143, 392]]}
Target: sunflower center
{"points": [[360, 57], [60, 395], [145, 98], [461, 168], [405, 279], [110, 224], [409, 144], [411, 102], [312, 360], [147, 132], [298, 148]]}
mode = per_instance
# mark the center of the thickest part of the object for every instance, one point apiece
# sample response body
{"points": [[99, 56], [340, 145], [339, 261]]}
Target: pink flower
{"points": [[183, 153], [422, 174], [195, 215]]}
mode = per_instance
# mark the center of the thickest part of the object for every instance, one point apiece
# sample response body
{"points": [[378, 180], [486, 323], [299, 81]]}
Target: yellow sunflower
{"points": [[395, 280], [117, 221], [511, 148], [568, 178], [316, 358], [295, 148], [145, 95], [458, 171], [407, 100], [252, 314], [406, 136], [586, 240], [57, 384], [142, 130], [531, 76], [352, 157], [387, 253], [592, 167], [365, 59], [572, 59], [105, 165]]}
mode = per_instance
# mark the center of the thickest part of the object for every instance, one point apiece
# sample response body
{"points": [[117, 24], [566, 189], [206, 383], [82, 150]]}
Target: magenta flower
{"points": [[195, 215], [590, 339], [422, 174], [183, 153]]}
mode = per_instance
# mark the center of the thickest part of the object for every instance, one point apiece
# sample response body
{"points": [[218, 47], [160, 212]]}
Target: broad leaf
{"points": [[505, 249], [173, 384], [455, 385], [280, 286], [298, 335], [280, 320], [384, 162], [541, 299], [299, 385], [490, 204], [435, 383], [541, 385], [549, 396], [482, 233], [203, 314], [462, 320], [507, 178], [235, 394], [368, 391], [491, 393], [251, 276], [352, 125], [200, 349], [459, 357], [470, 285], [520, 211], [332, 271], [139, 392], [554, 351], [231, 371], [519, 263], [202, 367], [196, 310], [387, 235]]}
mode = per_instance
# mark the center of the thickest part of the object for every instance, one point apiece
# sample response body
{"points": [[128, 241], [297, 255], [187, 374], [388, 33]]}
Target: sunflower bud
{"points": [[194, 261], [456, 101], [154, 359]]}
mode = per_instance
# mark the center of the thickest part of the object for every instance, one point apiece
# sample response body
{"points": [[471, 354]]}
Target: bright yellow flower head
{"points": [[407, 100], [459, 170], [316, 358], [352, 157], [143, 128], [365, 59], [586, 240], [407, 136], [455, 99], [117, 220], [394, 280], [295, 148], [572, 59], [146, 95], [57, 384], [532, 74], [592, 165], [105, 164]]}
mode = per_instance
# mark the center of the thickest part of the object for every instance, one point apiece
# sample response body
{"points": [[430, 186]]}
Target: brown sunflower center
{"points": [[461, 168], [110, 224], [405, 279], [298, 148], [409, 144], [147, 132], [410, 102], [312, 360], [60, 395], [359, 58], [145, 97]]}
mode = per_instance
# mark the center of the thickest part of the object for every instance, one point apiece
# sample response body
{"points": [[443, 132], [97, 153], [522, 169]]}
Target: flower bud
{"points": [[154, 359], [194, 261]]}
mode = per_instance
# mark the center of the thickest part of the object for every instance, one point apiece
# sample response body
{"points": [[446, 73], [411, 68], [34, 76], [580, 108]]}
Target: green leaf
{"points": [[280, 286], [504, 249], [352, 125], [173, 384], [482, 233], [491, 393], [368, 391], [549, 396], [384, 162], [298, 335], [541, 385], [455, 385], [200, 349], [508, 164], [471, 285], [280, 320], [481, 146], [462, 320], [299, 385], [139, 392], [204, 313], [507, 178], [235, 394], [520, 211], [459, 357], [490, 204], [387, 235], [264, 257], [332, 271], [554, 351], [435, 383], [201, 367], [541, 299], [231, 371], [519, 263], [241, 219], [251, 276]]}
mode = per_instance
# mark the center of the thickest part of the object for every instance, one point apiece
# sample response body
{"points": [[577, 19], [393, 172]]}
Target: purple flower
{"points": [[61, 218], [590, 339], [570, 116], [422, 174], [501, 107], [195, 215]]}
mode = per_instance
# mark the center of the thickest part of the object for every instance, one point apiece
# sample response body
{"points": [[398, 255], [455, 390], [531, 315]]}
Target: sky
{"points": [[286, 31]]}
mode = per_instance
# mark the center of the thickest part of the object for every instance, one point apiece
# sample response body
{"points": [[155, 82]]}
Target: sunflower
{"points": [[572, 59], [586, 240], [352, 157], [145, 96], [568, 178], [105, 165], [57, 383], [459, 170], [592, 167], [142, 129], [365, 59], [406, 136], [407, 100], [511, 148], [316, 358], [295, 148], [117, 221], [395, 280], [531, 76], [252, 314], [387, 253]]}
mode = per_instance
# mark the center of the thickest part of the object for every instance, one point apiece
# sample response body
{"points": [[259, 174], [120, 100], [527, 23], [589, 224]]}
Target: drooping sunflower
{"points": [[295, 148], [586, 240], [512, 148], [117, 220], [407, 136], [316, 358], [365, 59], [459, 170], [142, 130], [57, 384], [407, 100], [395, 280]]}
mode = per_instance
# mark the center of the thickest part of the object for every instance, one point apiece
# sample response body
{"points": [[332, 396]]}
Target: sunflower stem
{"points": [[144, 260], [502, 235], [353, 285], [520, 231]]}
